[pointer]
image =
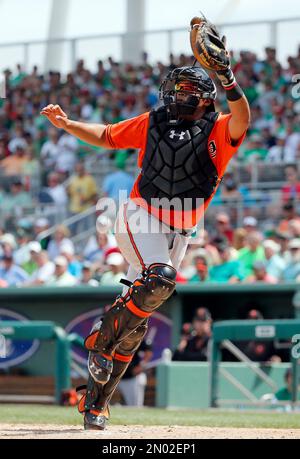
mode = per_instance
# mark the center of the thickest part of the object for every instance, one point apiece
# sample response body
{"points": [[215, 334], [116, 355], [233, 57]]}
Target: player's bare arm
{"points": [[93, 134], [240, 120], [237, 102]]}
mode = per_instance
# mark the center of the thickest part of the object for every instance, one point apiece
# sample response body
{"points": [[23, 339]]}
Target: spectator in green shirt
{"points": [[228, 270], [255, 150], [30, 266], [16, 199], [251, 253], [201, 266], [285, 393]]}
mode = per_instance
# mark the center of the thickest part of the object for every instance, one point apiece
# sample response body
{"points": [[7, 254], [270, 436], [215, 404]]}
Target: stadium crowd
{"points": [[41, 166]]}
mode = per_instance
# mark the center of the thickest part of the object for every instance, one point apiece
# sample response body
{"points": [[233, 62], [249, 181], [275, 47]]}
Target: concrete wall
{"points": [[186, 384]]}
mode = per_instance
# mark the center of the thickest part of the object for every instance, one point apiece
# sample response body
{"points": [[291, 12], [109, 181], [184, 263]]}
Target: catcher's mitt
{"points": [[208, 47]]}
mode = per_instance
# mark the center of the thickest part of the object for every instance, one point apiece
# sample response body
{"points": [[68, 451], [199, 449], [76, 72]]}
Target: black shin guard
{"points": [[122, 359], [94, 417], [142, 299], [97, 395], [89, 400]]}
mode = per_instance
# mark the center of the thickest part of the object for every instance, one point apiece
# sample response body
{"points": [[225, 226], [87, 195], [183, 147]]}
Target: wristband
{"points": [[229, 83], [234, 92], [226, 77]]}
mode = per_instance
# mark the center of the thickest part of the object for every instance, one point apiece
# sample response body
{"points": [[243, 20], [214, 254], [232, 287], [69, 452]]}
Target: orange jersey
{"points": [[133, 133]]}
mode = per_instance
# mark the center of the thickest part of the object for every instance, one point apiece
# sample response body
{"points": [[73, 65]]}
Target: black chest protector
{"points": [[177, 163]]}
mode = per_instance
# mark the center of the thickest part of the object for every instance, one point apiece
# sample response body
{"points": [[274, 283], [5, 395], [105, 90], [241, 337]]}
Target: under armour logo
{"points": [[174, 134]]}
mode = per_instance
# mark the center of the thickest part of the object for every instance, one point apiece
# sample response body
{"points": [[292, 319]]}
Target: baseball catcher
{"points": [[184, 149]]}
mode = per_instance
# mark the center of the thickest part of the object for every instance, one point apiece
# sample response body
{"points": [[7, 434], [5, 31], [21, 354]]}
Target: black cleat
{"points": [[96, 421]]}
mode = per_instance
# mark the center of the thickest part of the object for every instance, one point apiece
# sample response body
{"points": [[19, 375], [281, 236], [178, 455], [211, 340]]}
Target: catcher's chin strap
{"points": [[97, 396]]}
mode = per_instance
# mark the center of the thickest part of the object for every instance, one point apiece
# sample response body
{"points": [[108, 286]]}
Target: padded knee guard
{"points": [[143, 297], [97, 395]]}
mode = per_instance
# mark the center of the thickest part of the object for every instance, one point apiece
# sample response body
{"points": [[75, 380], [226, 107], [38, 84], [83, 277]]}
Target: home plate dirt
{"points": [[9, 431]]}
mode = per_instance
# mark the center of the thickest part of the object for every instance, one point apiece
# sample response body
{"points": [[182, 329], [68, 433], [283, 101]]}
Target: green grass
{"points": [[37, 414]]}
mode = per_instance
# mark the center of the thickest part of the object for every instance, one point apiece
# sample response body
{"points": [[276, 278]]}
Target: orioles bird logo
{"points": [[212, 149]]}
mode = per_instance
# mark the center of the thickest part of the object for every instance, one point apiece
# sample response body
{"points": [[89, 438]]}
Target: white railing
{"points": [[69, 221], [28, 53], [258, 175], [266, 207], [9, 218]]}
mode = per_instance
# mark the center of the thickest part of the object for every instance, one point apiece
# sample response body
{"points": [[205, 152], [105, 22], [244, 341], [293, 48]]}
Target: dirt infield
{"points": [[9, 431]]}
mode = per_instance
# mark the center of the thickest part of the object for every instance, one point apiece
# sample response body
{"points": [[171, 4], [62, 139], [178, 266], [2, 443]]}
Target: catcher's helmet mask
{"points": [[183, 88]]}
